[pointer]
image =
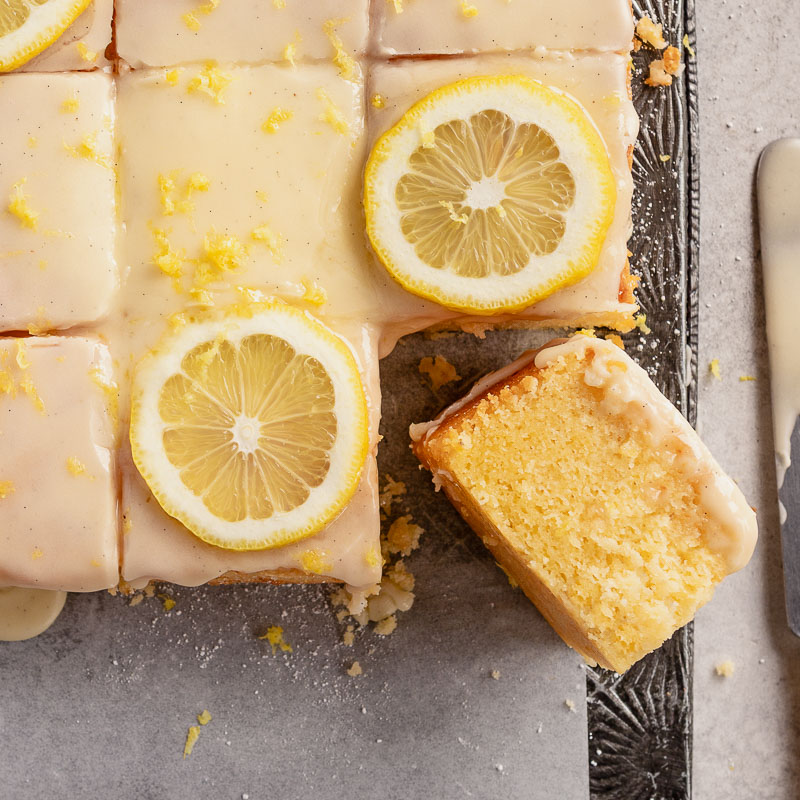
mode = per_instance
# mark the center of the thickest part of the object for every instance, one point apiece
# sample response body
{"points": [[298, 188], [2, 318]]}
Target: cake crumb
{"points": [[672, 61], [658, 74], [664, 158], [392, 489], [616, 339], [495, 674], [651, 33], [725, 669], [354, 670], [713, 368], [349, 636], [570, 704], [135, 600], [439, 370], [386, 626], [403, 536]]}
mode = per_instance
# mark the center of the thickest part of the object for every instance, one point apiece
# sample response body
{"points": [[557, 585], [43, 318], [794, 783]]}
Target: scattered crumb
{"points": [[192, 735], [570, 704], [87, 55], [392, 489], [658, 74], [386, 626], [439, 370], [672, 61], [665, 158], [651, 33], [495, 674], [349, 636], [354, 670], [713, 368], [725, 669], [746, 378], [135, 600], [204, 717], [616, 339], [403, 536], [274, 636]]}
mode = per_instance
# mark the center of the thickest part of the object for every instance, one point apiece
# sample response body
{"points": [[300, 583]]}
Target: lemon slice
{"points": [[251, 429], [29, 26], [489, 194]]}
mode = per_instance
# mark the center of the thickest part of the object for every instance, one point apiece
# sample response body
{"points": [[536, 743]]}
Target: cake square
{"points": [[58, 494], [82, 46], [58, 219], [600, 83], [594, 494], [421, 27], [248, 176], [241, 31], [155, 546]]}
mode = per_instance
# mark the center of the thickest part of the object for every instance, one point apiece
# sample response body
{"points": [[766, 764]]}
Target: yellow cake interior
{"points": [[613, 534]]}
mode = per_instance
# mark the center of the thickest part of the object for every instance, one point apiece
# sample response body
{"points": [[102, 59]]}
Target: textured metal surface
{"points": [[640, 724]]}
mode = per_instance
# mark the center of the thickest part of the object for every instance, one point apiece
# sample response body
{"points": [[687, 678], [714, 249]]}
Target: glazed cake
{"points": [[220, 163], [593, 493], [58, 226], [57, 421]]}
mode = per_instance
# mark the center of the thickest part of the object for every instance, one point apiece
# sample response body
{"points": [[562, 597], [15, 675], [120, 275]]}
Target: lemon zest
{"points": [[315, 561], [331, 114], [378, 101], [713, 368], [313, 293], [192, 735], [268, 237], [19, 205], [211, 81], [75, 466], [87, 55], [70, 105], [90, 150], [275, 119], [274, 636], [343, 60], [6, 488]]}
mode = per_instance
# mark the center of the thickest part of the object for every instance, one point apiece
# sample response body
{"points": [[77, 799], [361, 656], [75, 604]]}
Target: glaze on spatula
{"points": [[779, 213]]}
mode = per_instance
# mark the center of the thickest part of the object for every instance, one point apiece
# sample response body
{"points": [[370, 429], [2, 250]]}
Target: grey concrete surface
{"points": [[747, 727]]}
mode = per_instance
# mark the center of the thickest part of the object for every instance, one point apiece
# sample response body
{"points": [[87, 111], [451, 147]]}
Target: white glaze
{"points": [[25, 613]]}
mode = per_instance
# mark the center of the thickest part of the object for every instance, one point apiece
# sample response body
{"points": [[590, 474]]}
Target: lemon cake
{"points": [[424, 27], [200, 209], [599, 82], [58, 492], [241, 31], [57, 223], [593, 493]]}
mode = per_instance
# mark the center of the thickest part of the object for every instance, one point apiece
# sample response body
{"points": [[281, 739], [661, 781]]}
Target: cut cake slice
{"points": [[594, 494]]}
